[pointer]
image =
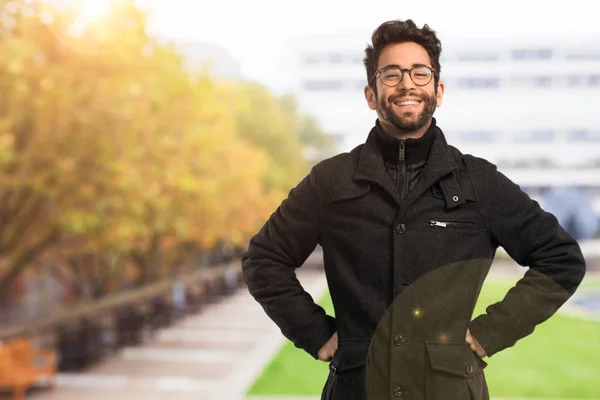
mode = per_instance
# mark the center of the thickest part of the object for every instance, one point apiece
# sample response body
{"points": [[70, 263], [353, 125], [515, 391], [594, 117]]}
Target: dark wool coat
{"points": [[405, 259]]}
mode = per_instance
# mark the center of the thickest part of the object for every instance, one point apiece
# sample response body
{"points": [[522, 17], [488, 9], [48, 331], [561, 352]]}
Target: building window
{"points": [[575, 80], [583, 135], [532, 54], [542, 81], [535, 136], [539, 81], [313, 86], [584, 80], [477, 57], [479, 136], [590, 54], [479, 82]]}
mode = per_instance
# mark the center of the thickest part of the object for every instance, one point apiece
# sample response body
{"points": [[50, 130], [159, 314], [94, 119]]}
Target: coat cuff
{"points": [[320, 336]]}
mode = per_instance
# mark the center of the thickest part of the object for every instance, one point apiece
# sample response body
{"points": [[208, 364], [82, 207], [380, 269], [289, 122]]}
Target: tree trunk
{"points": [[24, 260]]}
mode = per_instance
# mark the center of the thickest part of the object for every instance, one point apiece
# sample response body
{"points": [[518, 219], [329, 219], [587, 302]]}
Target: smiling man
{"points": [[404, 107], [409, 227]]}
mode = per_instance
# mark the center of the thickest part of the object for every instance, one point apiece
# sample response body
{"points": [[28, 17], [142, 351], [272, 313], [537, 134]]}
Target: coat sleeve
{"points": [[533, 238], [282, 245]]}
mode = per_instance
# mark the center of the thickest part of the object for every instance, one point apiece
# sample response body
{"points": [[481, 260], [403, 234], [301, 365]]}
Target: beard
{"points": [[407, 121]]}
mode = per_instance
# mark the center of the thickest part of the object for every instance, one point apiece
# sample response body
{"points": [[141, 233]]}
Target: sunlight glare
{"points": [[94, 10]]}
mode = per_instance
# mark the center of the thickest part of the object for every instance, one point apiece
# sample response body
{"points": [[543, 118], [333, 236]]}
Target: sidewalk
{"points": [[215, 355]]}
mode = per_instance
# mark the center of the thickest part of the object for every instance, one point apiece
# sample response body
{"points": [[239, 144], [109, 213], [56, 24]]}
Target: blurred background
{"points": [[144, 142]]}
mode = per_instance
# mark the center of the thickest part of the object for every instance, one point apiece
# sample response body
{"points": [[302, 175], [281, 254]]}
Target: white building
{"points": [[529, 105], [201, 55]]}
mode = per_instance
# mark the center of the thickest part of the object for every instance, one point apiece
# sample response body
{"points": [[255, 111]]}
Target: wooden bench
{"points": [[22, 366]]}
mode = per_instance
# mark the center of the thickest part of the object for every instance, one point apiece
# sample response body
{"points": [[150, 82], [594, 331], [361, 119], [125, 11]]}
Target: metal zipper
{"points": [[447, 224], [402, 160]]}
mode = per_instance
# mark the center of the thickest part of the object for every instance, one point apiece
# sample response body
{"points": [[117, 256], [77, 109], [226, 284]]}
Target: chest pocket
{"points": [[459, 209], [447, 229], [456, 206]]}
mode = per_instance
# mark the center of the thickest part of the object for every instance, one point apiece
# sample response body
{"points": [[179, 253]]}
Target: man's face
{"points": [[395, 106]]}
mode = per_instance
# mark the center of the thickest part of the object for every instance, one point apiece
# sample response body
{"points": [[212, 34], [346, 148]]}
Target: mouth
{"points": [[407, 102]]}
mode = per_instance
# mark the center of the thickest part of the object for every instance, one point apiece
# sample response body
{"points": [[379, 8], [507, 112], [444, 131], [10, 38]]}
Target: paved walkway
{"points": [[215, 355]]}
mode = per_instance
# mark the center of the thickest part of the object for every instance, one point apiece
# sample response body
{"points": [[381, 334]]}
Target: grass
{"points": [[559, 360]]}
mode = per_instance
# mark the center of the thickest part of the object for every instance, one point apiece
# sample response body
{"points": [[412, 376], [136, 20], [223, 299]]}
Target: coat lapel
{"points": [[371, 167], [440, 163]]}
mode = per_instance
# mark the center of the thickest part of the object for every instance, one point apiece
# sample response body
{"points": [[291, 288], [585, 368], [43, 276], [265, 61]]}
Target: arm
{"points": [[534, 238], [282, 245]]}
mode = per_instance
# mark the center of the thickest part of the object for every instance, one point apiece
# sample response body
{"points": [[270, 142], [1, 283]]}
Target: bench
{"points": [[22, 366]]}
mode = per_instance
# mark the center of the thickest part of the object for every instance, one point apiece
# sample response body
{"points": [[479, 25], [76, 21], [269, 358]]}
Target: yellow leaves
{"points": [[127, 146], [65, 165], [15, 67], [135, 89], [46, 84]]}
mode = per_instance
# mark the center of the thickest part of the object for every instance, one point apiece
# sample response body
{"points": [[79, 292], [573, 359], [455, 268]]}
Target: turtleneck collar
{"points": [[417, 150]]}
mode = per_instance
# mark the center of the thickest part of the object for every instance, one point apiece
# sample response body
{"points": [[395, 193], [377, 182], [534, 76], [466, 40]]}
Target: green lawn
{"points": [[560, 359]]}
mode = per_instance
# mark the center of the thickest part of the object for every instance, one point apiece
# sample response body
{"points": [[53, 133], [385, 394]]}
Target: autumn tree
{"points": [[113, 156]]}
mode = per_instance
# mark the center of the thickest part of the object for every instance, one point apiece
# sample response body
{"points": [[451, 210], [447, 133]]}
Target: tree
{"points": [[113, 157]]}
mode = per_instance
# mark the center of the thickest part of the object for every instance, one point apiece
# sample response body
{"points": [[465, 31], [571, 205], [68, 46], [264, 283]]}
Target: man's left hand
{"points": [[475, 346]]}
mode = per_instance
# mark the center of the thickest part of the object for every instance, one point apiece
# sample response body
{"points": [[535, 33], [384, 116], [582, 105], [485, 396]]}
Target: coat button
{"points": [[398, 391], [469, 369], [400, 340], [400, 228]]}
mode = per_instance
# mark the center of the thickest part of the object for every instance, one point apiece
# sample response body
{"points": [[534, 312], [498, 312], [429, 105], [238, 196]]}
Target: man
{"points": [[408, 227]]}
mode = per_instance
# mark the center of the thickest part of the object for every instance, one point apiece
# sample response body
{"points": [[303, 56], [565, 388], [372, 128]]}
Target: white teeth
{"points": [[407, 103]]}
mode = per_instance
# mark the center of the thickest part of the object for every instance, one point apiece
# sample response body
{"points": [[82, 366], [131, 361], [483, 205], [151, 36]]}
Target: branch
{"points": [[25, 258], [28, 213]]}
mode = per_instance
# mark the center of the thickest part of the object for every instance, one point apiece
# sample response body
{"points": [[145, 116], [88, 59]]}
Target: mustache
{"points": [[421, 96]]}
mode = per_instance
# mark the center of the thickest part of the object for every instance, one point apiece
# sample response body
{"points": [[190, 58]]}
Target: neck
{"points": [[403, 134]]}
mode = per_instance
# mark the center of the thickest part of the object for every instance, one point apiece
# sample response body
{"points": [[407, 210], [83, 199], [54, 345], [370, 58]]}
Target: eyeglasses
{"points": [[391, 76]]}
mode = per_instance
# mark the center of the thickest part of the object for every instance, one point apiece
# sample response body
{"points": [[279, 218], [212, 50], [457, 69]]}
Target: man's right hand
{"points": [[329, 348]]}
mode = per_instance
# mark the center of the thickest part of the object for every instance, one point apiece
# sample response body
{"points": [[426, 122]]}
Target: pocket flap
{"points": [[454, 358]]}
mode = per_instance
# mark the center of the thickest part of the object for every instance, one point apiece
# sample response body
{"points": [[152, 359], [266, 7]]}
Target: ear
{"points": [[440, 93], [370, 97]]}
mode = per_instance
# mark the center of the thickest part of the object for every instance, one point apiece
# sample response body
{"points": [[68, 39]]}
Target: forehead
{"points": [[404, 55]]}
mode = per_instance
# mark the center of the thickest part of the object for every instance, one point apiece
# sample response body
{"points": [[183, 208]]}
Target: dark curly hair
{"points": [[397, 31]]}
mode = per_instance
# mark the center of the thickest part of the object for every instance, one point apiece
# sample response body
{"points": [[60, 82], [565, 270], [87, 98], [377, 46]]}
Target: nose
{"points": [[406, 83]]}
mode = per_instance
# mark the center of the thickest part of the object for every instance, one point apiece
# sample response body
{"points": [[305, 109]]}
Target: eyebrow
{"points": [[414, 65]]}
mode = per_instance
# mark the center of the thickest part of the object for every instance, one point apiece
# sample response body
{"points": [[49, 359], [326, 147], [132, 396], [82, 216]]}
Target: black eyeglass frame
{"points": [[402, 71]]}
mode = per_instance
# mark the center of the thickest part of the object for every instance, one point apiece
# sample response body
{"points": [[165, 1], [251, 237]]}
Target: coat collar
{"points": [[417, 150], [371, 167]]}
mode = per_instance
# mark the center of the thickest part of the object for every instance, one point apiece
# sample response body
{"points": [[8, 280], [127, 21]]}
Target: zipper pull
{"points": [[438, 223], [402, 152]]}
